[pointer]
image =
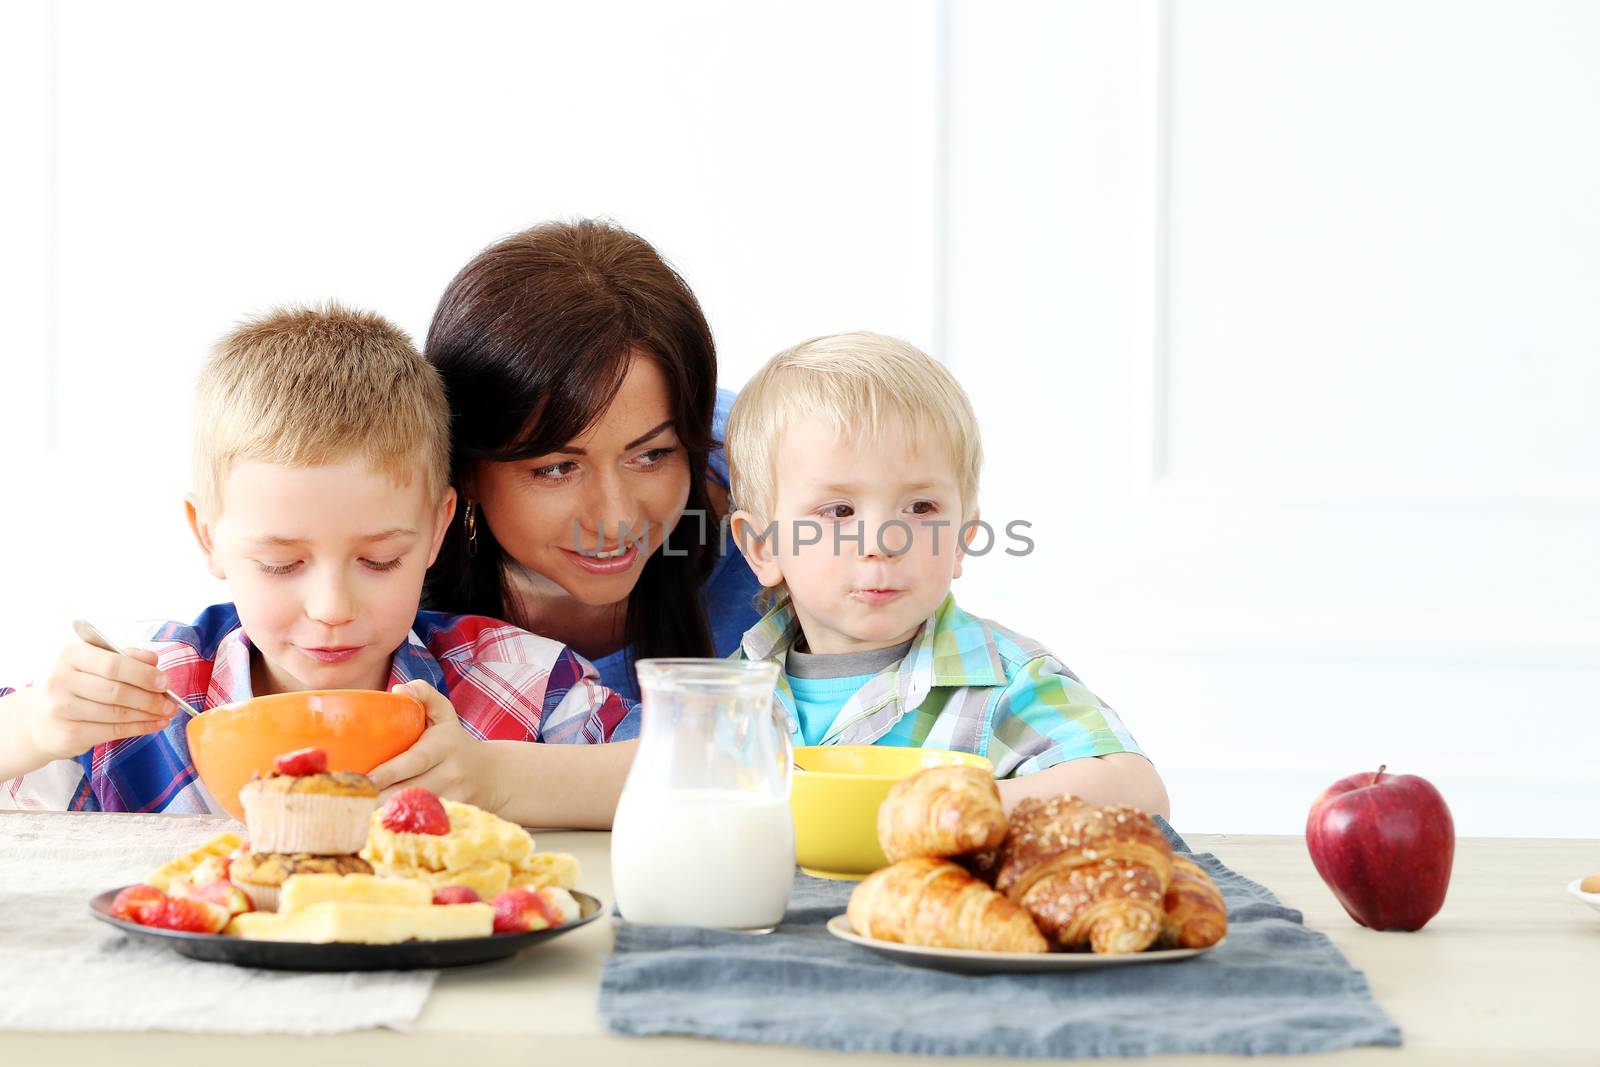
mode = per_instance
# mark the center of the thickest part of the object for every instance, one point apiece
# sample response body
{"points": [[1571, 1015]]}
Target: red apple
{"points": [[1384, 844]]}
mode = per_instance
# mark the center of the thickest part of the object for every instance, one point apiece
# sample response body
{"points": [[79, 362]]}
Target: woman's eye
{"points": [[383, 565], [556, 472], [654, 456], [836, 511], [924, 507], [277, 568]]}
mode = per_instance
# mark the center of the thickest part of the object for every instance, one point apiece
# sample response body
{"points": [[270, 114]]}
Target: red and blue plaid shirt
{"points": [[506, 685]]}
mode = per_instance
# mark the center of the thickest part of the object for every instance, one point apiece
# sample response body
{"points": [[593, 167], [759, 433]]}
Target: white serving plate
{"points": [[1591, 899], [972, 961]]}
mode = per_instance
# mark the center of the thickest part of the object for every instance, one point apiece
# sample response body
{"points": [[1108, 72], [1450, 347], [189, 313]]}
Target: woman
{"points": [[586, 451]]}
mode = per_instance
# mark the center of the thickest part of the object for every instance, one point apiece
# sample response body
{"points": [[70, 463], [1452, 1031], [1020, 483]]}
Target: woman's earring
{"points": [[470, 522]]}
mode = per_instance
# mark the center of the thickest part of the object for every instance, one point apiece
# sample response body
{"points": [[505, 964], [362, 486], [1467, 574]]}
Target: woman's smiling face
{"points": [[587, 516]]}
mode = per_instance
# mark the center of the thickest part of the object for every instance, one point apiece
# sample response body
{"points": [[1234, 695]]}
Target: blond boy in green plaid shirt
{"points": [[855, 462]]}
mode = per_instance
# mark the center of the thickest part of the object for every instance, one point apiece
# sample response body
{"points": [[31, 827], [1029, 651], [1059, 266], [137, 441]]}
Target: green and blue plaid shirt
{"points": [[966, 684]]}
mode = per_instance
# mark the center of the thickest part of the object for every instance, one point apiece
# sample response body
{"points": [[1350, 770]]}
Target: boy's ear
{"points": [[971, 525], [759, 547], [445, 516], [200, 526]]}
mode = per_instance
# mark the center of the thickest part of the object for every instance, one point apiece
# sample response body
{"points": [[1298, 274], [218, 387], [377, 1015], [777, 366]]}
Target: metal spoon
{"points": [[88, 633]]}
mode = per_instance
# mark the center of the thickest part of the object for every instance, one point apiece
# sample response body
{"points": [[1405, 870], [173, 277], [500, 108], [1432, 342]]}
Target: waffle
{"points": [[545, 869], [482, 851], [475, 837], [219, 848]]}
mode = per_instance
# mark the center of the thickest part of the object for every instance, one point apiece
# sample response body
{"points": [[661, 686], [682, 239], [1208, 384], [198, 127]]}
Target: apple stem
{"points": [[1381, 768]]}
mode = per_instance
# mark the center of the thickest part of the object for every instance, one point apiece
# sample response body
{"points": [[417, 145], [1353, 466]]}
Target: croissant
{"points": [[941, 811], [934, 902], [1195, 914], [984, 866], [1090, 876]]}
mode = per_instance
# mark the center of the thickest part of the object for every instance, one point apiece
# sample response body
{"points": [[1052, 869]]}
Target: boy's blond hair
{"points": [[861, 385], [306, 386]]}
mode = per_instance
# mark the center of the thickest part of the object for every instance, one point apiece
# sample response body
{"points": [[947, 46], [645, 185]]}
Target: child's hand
{"points": [[92, 696], [445, 760]]}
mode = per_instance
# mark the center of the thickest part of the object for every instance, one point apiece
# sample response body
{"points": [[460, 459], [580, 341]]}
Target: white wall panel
{"points": [[1383, 249], [1281, 323]]}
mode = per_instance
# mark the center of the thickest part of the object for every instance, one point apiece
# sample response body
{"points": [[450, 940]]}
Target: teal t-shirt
{"points": [[817, 702], [822, 684]]}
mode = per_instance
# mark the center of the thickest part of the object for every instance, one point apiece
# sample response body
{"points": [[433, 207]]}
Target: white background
{"points": [[1282, 320]]}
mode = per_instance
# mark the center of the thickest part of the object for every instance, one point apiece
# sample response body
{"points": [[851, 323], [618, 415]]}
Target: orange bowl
{"points": [[359, 729]]}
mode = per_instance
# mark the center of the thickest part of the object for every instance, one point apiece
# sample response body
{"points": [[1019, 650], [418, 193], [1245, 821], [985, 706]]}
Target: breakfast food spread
{"points": [[476, 874], [1061, 873], [302, 819]]}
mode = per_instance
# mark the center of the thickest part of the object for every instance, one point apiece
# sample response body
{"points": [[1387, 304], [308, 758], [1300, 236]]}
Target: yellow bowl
{"points": [[835, 801]]}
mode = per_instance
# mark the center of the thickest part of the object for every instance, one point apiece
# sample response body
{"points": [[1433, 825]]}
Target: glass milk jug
{"points": [[702, 835]]}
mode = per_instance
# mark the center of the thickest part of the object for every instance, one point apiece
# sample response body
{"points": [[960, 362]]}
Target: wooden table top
{"points": [[1506, 972]]}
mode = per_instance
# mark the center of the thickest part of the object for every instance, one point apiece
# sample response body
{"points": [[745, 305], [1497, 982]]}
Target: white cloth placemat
{"points": [[60, 969]]}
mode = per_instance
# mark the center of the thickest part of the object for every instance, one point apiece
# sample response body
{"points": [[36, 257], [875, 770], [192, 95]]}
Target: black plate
{"points": [[305, 956]]}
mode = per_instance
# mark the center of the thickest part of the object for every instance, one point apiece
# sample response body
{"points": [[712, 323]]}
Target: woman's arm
{"points": [[566, 786]]}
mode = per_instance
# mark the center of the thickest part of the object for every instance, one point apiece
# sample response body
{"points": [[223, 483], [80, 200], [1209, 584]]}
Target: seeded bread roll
{"points": [[1091, 876]]}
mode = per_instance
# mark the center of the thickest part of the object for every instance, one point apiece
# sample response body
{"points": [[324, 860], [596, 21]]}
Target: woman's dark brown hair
{"points": [[533, 339]]}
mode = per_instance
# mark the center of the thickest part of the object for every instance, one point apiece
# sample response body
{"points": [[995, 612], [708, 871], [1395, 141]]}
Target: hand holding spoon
{"points": [[89, 634]]}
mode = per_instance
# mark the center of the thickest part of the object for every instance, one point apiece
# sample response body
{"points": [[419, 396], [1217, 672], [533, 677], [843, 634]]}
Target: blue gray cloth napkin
{"points": [[1274, 987]]}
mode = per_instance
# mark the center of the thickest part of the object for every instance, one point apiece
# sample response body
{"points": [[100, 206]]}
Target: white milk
{"points": [[702, 857]]}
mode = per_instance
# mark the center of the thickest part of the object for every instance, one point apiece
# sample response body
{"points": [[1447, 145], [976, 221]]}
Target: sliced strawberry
{"points": [[190, 915], [457, 894], [414, 811], [211, 869], [137, 903], [301, 762], [225, 895], [563, 905], [520, 908]]}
